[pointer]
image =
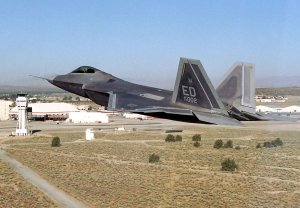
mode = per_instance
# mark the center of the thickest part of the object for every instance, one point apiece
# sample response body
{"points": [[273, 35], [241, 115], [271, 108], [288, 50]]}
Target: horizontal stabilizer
{"points": [[216, 119]]}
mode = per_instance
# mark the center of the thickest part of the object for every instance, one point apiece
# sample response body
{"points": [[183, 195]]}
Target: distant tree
{"points": [[77, 98], [229, 165], [196, 138], [170, 138], [55, 142], [153, 158], [277, 142], [218, 144], [228, 144], [178, 138]]}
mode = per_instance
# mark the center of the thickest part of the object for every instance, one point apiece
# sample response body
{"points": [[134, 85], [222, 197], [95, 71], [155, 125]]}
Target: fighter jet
{"points": [[193, 99]]}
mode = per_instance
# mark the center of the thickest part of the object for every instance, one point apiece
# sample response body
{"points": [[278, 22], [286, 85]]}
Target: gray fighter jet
{"points": [[194, 98]]}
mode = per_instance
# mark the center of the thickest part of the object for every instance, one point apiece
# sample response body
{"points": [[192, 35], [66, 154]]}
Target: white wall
{"points": [[4, 109], [87, 117]]}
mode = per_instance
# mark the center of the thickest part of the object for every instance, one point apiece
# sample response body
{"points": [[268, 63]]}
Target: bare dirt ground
{"points": [[16, 192], [113, 170], [55, 194]]}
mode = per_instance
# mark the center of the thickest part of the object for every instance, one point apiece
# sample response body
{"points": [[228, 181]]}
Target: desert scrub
{"points": [[228, 144], [196, 138], [218, 144], [274, 143], [178, 138], [229, 165], [258, 145], [170, 138], [55, 142], [153, 158], [238, 147], [196, 144]]}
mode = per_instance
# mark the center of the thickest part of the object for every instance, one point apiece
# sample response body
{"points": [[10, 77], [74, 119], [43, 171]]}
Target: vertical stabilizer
{"points": [[194, 90], [238, 87]]}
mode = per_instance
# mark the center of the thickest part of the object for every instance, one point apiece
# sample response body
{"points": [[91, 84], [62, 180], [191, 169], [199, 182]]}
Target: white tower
{"points": [[22, 103]]}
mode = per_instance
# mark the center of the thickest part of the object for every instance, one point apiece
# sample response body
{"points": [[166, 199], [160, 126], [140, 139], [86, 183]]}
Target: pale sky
{"points": [[142, 41]]}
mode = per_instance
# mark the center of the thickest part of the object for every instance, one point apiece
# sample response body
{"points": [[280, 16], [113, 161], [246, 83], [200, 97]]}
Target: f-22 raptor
{"points": [[194, 99]]}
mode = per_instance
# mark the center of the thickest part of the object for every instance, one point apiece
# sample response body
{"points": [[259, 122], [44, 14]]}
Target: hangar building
{"points": [[48, 111]]}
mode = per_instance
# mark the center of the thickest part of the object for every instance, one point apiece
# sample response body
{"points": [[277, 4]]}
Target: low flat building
{"points": [[87, 117], [4, 109], [48, 111], [272, 109]]}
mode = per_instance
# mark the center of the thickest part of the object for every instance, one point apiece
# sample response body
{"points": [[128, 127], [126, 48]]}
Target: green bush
{"points": [[229, 165], [196, 138], [268, 144], [55, 142], [218, 144], [277, 142], [196, 144], [258, 145], [238, 147], [178, 138], [228, 144], [170, 138], [274, 143], [153, 158]]}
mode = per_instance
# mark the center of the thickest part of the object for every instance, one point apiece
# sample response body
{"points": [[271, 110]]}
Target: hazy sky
{"points": [[143, 40]]}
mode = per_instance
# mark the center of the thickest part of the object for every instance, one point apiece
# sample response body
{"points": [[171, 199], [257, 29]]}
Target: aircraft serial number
{"points": [[190, 99]]}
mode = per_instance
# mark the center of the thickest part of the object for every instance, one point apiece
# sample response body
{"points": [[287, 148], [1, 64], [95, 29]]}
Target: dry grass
{"points": [[16, 192], [113, 170]]}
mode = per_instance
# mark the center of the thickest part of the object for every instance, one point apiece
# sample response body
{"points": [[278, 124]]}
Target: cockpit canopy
{"points": [[85, 69]]}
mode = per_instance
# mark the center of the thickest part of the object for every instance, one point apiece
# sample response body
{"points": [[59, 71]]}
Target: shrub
{"points": [[196, 138], [258, 145], [55, 142], [238, 147], [196, 144], [277, 142], [170, 138], [274, 143], [268, 144], [228, 144], [178, 138], [229, 165], [153, 158], [218, 144]]}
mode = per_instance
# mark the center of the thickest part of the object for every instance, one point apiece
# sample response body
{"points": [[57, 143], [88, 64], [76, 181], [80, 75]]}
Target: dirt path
{"points": [[57, 195]]}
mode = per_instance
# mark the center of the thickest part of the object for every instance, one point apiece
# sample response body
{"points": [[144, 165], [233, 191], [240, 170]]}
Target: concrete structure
{"points": [[51, 111], [89, 134], [270, 109], [87, 117], [22, 104], [4, 109]]}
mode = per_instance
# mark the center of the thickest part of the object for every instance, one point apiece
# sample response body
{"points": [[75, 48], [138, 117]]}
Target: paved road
{"points": [[57, 195]]}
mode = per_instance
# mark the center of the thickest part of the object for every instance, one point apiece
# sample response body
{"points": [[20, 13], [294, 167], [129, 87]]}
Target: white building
{"points": [[4, 109], [55, 111], [268, 109], [87, 117], [136, 116]]}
